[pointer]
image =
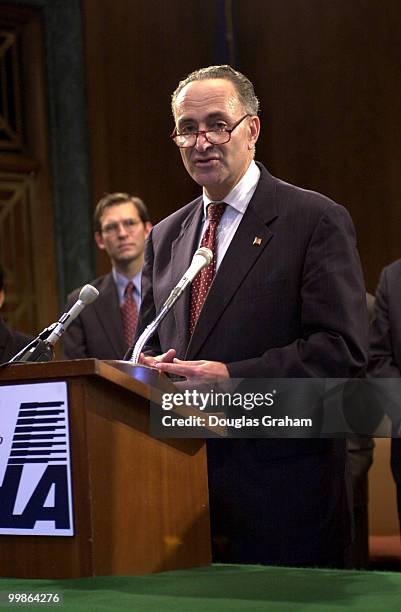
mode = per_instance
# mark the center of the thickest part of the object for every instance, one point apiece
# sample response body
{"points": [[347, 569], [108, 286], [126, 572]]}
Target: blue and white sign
{"points": [[35, 468]]}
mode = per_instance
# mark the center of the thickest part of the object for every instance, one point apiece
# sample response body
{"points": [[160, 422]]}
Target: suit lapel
{"points": [[108, 312], [182, 251], [241, 255]]}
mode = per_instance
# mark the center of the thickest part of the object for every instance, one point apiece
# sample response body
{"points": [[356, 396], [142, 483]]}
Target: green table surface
{"points": [[221, 587]]}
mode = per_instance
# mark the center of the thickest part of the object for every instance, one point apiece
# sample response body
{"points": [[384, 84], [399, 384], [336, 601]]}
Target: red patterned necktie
{"points": [[129, 314], [202, 282]]}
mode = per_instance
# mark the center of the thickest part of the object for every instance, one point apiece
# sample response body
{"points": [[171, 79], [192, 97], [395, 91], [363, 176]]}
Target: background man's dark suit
{"points": [[97, 331], [11, 342], [385, 349], [293, 306]]}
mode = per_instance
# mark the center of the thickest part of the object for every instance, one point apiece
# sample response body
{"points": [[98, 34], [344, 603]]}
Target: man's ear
{"points": [[99, 240], [148, 227], [254, 127], [2, 297]]}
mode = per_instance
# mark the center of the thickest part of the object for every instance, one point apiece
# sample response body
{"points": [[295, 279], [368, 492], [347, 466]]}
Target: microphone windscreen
{"points": [[206, 253], [88, 294]]}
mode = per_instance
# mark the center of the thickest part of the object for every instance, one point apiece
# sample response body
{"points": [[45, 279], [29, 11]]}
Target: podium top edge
{"points": [[72, 369]]}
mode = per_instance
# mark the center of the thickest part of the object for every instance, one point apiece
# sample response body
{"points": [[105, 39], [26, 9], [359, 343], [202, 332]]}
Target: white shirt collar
{"points": [[122, 281], [240, 196]]}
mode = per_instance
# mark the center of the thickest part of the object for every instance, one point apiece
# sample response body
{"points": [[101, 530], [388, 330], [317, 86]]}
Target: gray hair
{"points": [[243, 86]]}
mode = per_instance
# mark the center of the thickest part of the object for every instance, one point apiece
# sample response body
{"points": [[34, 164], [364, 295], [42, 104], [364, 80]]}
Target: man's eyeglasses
{"points": [[218, 136], [112, 228]]}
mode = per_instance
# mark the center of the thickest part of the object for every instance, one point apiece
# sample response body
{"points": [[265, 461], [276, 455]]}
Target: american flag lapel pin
{"points": [[257, 241]]}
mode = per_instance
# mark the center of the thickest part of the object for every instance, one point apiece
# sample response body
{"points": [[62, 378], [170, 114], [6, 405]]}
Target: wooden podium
{"points": [[140, 504]]}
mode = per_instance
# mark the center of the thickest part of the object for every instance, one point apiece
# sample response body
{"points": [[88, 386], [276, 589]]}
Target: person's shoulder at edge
{"points": [[393, 268], [11, 341], [6, 329]]}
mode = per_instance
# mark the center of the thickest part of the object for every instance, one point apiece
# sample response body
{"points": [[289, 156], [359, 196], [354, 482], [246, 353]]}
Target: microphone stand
{"points": [[41, 348], [38, 349], [202, 257], [151, 328], [146, 374]]}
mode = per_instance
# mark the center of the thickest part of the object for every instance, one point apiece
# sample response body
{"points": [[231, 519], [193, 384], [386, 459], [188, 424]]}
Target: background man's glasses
{"points": [[216, 137], [113, 228]]}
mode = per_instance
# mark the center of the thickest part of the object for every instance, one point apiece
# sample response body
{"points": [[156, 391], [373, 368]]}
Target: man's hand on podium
{"points": [[152, 361], [194, 370]]}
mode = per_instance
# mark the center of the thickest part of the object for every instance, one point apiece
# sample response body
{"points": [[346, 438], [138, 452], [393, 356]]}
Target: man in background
{"points": [[106, 328], [283, 298], [11, 342], [385, 352]]}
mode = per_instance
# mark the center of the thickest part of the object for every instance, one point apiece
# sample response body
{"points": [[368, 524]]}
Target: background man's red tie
{"points": [[202, 282], [129, 314]]}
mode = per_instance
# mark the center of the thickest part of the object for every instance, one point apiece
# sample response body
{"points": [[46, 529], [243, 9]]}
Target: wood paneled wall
{"points": [[327, 75], [26, 222], [136, 53]]}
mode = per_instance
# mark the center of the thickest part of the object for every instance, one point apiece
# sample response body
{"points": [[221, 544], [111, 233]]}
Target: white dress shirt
{"points": [[122, 281], [237, 202]]}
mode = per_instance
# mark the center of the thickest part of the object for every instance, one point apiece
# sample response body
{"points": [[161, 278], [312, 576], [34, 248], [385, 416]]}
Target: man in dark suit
{"points": [[287, 300], [385, 351], [11, 342], [121, 225]]}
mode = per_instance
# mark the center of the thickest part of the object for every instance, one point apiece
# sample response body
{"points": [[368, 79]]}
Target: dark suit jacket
{"points": [[292, 307], [385, 346], [385, 338], [97, 331], [11, 342]]}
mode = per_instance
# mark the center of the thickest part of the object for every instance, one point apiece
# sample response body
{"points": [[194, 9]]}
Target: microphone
{"points": [[202, 258], [41, 348], [87, 295]]}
